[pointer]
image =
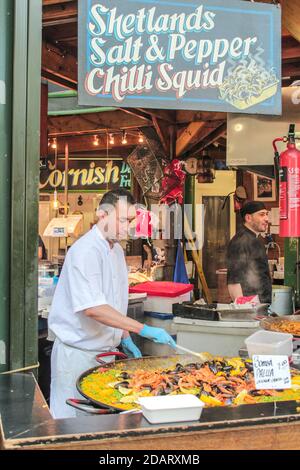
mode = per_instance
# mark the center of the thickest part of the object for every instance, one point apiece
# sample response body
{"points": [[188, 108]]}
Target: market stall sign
{"points": [[86, 174], [271, 372], [212, 55]]}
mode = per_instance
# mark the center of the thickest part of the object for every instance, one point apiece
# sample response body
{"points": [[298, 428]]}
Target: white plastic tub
{"points": [[164, 304], [270, 343], [171, 408]]}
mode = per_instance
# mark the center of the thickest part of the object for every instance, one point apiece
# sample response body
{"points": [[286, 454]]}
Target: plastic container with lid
{"points": [[269, 343], [171, 408], [161, 295]]}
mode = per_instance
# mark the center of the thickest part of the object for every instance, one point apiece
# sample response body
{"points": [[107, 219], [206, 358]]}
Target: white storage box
{"points": [[270, 343], [161, 295], [171, 408], [165, 304]]}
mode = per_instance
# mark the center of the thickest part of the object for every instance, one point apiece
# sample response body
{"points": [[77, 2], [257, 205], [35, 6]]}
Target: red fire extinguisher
{"points": [[289, 186]]}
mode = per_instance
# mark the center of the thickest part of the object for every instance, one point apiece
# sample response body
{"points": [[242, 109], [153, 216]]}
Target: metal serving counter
{"points": [[27, 424]]}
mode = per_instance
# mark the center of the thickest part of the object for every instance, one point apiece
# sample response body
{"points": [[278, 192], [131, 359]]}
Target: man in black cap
{"points": [[247, 263]]}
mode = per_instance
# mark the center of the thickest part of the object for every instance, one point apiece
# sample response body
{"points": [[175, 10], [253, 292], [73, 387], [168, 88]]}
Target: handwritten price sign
{"points": [[271, 372]]}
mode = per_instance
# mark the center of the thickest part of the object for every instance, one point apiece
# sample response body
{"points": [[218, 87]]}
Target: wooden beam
{"points": [[187, 136], [60, 13], [55, 2], [137, 112], [198, 116], [162, 114], [58, 66], [291, 70], [110, 120], [163, 133], [58, 80], [218, 153], [290, 17], [211, 137], [61, 35], [290, 48]]}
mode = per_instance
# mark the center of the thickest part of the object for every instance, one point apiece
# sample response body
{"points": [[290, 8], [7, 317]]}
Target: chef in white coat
{"points": [[88, 312]]}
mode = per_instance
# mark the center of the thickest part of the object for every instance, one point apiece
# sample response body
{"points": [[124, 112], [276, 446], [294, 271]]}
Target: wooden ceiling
{"points": [[181, 133]]}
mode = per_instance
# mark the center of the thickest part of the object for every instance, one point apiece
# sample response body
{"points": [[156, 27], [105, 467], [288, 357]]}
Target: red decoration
{"points": [[143, 223], [173, 182]]}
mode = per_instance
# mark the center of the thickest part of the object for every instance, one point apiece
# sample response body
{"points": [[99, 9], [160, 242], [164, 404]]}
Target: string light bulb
{"points": [[55, 201], [141, 138], [96, 141], [124, 138], [111, 139], [54, 143]]}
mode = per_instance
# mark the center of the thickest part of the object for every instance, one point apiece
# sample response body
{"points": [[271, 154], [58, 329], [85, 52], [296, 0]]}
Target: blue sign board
{"points": [[213, 55]]}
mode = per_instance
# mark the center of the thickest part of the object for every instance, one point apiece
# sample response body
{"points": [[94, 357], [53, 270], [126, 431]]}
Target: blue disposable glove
{"points": [[129, 348], [158, 335]]}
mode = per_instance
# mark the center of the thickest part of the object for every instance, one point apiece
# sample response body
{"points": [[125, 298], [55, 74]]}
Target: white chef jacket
{"points": [[93, 274]]}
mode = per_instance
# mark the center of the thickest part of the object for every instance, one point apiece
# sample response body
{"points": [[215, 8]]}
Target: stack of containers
{"points": [[161, 295]]}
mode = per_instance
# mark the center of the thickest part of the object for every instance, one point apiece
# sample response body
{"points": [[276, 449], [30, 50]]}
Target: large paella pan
{"points": [[216, 381], [286, 324]]}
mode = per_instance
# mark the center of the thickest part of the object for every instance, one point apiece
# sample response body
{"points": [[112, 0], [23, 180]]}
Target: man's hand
{"points": [[235, 291], [130, 348], [158, 335]]}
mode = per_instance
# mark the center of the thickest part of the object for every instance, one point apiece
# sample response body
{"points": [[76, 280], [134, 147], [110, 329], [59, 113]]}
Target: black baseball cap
{"points": [[251, 207]]}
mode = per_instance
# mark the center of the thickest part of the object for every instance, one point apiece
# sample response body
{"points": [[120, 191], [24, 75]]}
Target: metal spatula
{"points": [[189, 351]]}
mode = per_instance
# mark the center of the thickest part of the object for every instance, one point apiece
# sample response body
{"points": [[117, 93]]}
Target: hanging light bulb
{"points": [[54, 143], [141, 138], [96, 141], [111, 139], [55, 201], [124, 138]]}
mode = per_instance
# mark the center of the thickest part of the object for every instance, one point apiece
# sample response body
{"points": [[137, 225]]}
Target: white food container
{"points": [[164, 304], [270, 343], [171, 408]]}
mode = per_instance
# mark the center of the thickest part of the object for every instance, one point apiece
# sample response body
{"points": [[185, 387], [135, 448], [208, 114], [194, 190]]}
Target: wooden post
{"points": [[196, 259]]}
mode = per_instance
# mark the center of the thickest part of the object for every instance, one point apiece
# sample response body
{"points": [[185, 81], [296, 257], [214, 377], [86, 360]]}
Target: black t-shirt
{"points": [[247, 264]]}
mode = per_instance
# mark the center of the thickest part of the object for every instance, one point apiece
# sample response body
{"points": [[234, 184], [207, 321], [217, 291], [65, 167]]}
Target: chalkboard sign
{"points": [[213, 55]]}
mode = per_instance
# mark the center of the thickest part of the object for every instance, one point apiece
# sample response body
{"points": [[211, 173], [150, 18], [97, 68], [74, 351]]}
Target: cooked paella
{"points": [[288, 324], [217, 382]]}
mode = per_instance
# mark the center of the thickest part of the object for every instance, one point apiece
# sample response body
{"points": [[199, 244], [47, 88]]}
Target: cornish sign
{"points": [[213, 55], [85, 174]]}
